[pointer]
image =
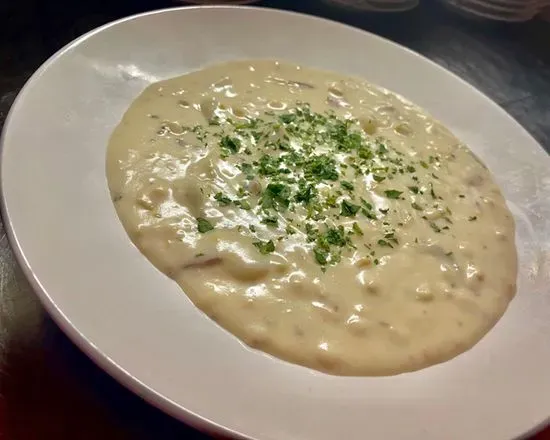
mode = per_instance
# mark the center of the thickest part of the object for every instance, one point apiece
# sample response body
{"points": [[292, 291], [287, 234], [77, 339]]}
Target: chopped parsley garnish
{"points": [[348, 209], [472, 218], [265, 247], [321, 255], [268, 165], [243, 204], [287, 118], [308, 175], [224, 200], [357, 229], [305, 194], [247, 169], [392, 193], [276, 196], [336, 236], [203, 225], [347, 185], [382, 149], [321, 168], [366, 204], [391, 237], [230, 145], [270, 221]]}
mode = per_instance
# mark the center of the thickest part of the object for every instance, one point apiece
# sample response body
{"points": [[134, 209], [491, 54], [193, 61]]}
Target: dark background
{"points": [[48, 389]]}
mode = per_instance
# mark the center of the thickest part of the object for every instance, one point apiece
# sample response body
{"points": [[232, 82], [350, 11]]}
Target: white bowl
{"points": [[138, 325]]}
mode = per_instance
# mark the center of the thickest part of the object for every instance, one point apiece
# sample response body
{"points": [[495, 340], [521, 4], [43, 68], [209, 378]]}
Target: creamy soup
{"points": [[317, 217]]}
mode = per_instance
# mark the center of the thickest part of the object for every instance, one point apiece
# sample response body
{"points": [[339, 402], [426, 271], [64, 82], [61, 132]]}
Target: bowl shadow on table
{"points": [[51, 390]]}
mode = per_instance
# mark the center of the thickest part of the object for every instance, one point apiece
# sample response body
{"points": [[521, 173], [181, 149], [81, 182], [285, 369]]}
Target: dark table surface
{"points": [[48, 388]]}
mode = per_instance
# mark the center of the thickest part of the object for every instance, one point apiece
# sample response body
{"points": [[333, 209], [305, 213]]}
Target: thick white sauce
{"points": [[429, 262]]}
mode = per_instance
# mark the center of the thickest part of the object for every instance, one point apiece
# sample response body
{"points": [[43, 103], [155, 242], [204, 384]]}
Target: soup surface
{"points": [[317, 217]]}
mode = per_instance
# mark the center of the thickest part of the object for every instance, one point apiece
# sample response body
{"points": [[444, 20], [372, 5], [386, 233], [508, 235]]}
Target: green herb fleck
{"points": [[391, 236], [243, 205], [276, 196], [224, 200], [203, 225], [382, 149], [335, 236], [305, 194], [265, 247], [348, 209], [347, 185], [247, 169], [270, 221], [268, 165], [366, 204], [392, 193], [321, 255], [230, 145], [357, 229], [321, 167], [287, 118]]}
